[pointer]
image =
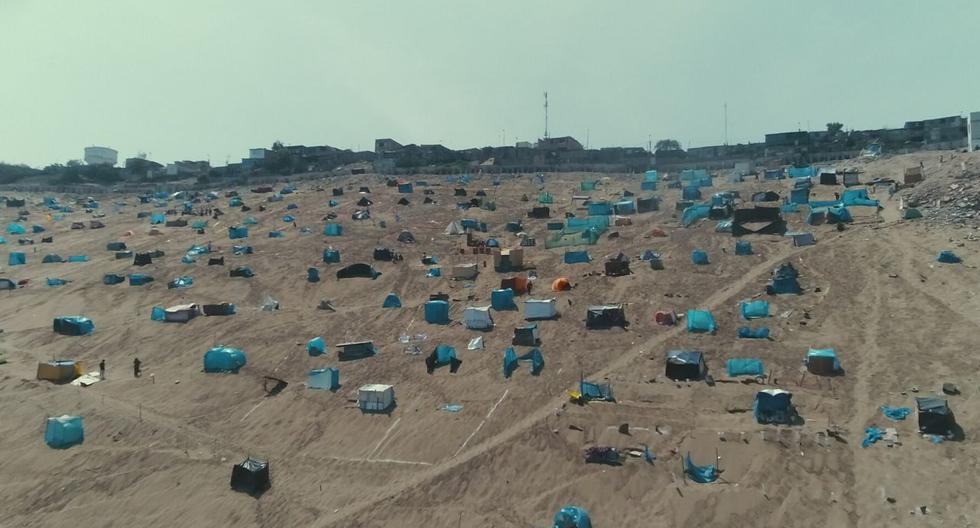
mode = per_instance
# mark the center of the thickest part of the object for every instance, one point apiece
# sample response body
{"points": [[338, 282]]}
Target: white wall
{"points": [[973, 131]]}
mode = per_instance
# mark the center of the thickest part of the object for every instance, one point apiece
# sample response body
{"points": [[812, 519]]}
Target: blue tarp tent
{"points": [[78, 258], [37, 229], [139, 279], [324, 379], [333, 230], [790, 208], [801, 172], [111, 278], [405, 187], [648, 186], [948, 257], [333, 203], [857, 197], [699, 257], [331, 256], [625, 207], [437, 312], [596, 391], [316, 347], [816, 216], [822, 361], [17, 258], [511, 360], [16, 229], [158, 218], [180, 282], [237, 232], [745, 367], [158, 314], [224, 359], [743, 247], [63, 432], [754, 309], [700, 474], [600, 209], [312, 275], [502, 299], [577, 257], [838, 215], [289, 219], [700, 321], [588, 186], [51, 259], [235, 202], [773, 406], [694, 213], [73, 325], [276, 234], [250, 220], [572, 517], [650, 176], [56, 281], [116, 246], [799, 196], [442, 355], [242, 250], [745, 332], [392, 301], [775, 174], [691, 193], [476, 225], [434, 273]]}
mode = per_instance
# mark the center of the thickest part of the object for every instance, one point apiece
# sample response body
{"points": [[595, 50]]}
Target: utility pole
{"points": [[726, 123], [546, 115], [650, 142]]}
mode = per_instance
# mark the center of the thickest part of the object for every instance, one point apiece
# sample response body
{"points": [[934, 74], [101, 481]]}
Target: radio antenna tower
{"points": [[546, 115]]}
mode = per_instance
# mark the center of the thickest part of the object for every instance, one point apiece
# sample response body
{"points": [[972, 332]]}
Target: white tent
{"points": [[475, 344], [375, 397], [180, 313], [540, 308], [454, 228], [465, 271], [477, 318]]}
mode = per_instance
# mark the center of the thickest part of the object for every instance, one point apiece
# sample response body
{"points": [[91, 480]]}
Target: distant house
{"points": [[386, 145], [559, 143], [188, 168]]}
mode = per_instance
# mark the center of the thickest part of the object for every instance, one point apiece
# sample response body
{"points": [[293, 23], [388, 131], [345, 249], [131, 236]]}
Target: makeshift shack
{"points": [[685, 365], [251, 476], [375, 398]]}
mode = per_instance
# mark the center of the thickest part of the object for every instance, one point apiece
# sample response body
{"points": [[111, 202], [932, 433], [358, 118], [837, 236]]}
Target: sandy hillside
{"points": [[159, 449]]}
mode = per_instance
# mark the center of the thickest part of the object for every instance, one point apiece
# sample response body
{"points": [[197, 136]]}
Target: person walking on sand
{"points": [[136, 367], [102, 369]]}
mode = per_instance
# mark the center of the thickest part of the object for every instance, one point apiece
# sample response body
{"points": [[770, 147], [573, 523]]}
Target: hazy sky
{"points": [[199, 79]]}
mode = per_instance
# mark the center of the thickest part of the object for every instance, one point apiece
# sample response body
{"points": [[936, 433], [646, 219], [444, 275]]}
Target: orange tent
{"points": [[518, 284], [561, 284], [657, 232]]}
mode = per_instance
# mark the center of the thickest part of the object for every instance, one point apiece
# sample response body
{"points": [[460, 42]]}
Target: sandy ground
{"points": [[159, 449]]}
